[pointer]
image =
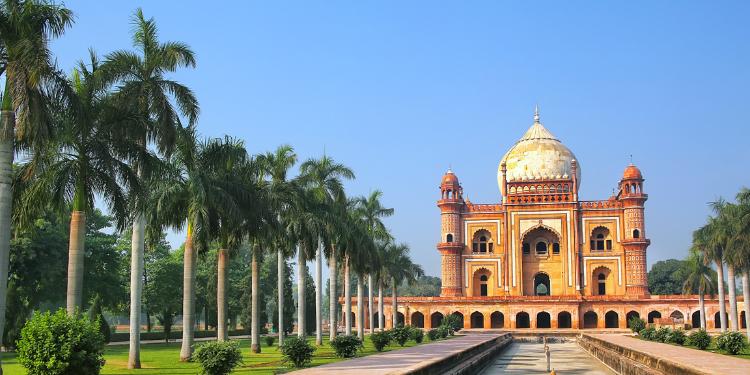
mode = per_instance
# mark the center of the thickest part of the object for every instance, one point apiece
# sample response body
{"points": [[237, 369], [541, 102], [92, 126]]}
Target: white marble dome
{"points": [[538, 155]]}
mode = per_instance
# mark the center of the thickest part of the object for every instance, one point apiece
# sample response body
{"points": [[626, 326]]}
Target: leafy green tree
{"points": [[700, 280], [425, 286], [95, 315], [162, 292], [144, 86], [26, 67], [667, 276]]}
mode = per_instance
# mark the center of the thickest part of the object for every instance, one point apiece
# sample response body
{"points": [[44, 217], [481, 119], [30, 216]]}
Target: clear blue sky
{"points": [[400, 90]]}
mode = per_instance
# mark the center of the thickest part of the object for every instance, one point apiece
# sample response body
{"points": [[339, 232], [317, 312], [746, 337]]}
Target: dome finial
{"points": [[536, 114]]}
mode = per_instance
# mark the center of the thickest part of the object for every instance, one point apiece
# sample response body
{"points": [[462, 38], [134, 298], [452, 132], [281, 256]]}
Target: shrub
{"points": [[268, 340], [636, 324], [731, 342], [61, 344], [297, 351], [661, 334], [346, 346], [218, 358], [401, 334], [443, 331], [700, 339], [453, 323], [417, 335], [433, 334], [380, 340], [647, 333], [676, 337]]}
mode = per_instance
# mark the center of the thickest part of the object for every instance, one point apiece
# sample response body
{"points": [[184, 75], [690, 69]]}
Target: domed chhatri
{"points": [[632, 173], [538, 155]]}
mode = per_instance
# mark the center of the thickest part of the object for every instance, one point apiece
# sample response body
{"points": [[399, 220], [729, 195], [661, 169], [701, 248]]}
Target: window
{"points": [[541, 248], [556, 248], [482, 242], [602, 278], [449, 238], [636, 233], [483, 278], [526, 248], [609, 244], [600, 241]]}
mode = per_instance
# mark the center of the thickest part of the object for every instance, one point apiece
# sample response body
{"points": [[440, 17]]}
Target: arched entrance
{"points": [[522, 320], [375, 321], [611, 320], [460, 318], [743, 320], [600, 281], [417, 319], [630, 315], [543, 320], [399, 318], [481, 281], [436, 319], [695, 319], [564, 320], [590, 320], [541, 284], [717, 319], [497, 320], [477, 320], [678, 317], [653, 315]]}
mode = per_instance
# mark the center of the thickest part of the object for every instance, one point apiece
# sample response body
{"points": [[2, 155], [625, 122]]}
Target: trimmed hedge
{"points": [[174, 335]]}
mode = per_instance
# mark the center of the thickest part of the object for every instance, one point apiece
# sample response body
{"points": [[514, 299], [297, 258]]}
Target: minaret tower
{"points": [[635, 241], [451, 244]]}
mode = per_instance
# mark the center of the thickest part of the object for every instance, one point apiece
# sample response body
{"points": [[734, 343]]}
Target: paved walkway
{"points": [[529, 358], [710, 363], [402, 360]]}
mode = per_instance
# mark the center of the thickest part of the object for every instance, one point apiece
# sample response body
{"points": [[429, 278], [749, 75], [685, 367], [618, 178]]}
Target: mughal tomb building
{"points": [[543, 257]]}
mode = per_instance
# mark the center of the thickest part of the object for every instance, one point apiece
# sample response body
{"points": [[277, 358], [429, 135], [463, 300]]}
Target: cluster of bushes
{"points": [[731, 342], [399, 335], [450, 325]]}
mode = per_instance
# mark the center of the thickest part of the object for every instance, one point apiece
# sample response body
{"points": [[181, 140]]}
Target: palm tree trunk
{"points": [[746, 299], [188, 297], [254, 308], [381, 314], [347, 298], [76, 252], [281, 262], [7, 125], [722, 304], [394, 304], [301, 276], [360, 306], [319, 295], [732, 298], [702, 304], [221, 294], [332, 295], [136, 290], [369, 302]]}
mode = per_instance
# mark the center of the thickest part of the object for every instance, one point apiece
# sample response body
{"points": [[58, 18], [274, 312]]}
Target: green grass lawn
{"points": [[164, 359], [744, 354]]}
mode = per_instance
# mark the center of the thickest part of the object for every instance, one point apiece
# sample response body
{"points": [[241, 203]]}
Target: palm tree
{"points": [[704, 240], [698, 281], [372, 211], [26, 64], [143, 85], [725, 232], [400, 269], [740, 256], [276, 165], [83, 161], [190, 194], [324, 179]]}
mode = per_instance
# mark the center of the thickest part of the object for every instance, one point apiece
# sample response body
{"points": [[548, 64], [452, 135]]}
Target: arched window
{"points": [[555, 248], [602, 279], [526, 248], [541, 284], [636, 233], [482, 242], [541, 248], [600, 239], [449, 238]]}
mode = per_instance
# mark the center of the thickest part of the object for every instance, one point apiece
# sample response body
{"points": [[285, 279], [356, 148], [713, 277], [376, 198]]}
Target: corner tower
{"points": [[451, 244], [635, 242]]}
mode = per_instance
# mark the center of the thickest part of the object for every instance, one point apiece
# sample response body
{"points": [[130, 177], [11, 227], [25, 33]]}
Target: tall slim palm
{"points": [[86, 159], [143, 85], [188, 195], [724, 231], [400, 269], [26, 65], [699, 281], [704, 239], [373, 211], [324, 179], [276, 166], [740, 256]]}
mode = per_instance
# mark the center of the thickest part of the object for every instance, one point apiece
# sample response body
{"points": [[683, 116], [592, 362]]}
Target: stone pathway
{"points": [[707, 362], [529, 358], [402, 360]]}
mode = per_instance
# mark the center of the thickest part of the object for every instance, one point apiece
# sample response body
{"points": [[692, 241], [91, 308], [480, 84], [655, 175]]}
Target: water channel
{"points": [[566, 357]]}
